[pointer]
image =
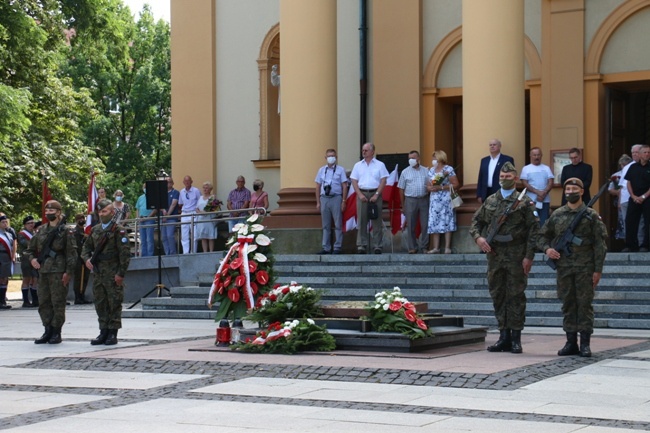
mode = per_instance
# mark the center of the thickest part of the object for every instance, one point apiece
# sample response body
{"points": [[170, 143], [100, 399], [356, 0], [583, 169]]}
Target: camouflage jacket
{"points": [[521, 224], [591, 230], [114, 258], [63, 249]]}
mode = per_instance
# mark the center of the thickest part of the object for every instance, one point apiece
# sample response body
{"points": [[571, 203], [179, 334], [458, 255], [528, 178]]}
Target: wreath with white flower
{"points": [[392, 312], [288, 338], [246, 272], [290, 301]]}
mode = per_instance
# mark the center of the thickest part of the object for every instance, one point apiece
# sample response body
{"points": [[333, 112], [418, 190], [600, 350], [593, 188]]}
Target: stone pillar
{"points": [[309, 116], [493, 81]]}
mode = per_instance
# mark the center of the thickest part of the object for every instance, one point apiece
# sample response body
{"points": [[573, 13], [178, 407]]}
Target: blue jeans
{"points": [[543, 213], [146, 238], [169, 236]]}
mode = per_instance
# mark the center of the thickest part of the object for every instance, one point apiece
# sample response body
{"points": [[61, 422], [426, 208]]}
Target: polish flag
{"points": [[92, 200], [46, 196], [389, 195]]}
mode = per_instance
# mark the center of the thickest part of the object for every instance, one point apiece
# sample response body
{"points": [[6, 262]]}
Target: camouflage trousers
{"points": [[51, 299], [576, 291], [507, 284], [108, 298]]}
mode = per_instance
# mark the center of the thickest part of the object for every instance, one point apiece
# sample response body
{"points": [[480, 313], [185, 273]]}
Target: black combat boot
{"points": [[571, 346], [26, 303], [516, 342], [101, 338], [585, 339], [34, 294], [56, 336], [45, 337], [112, 337], [3, 299], [503, 344]]}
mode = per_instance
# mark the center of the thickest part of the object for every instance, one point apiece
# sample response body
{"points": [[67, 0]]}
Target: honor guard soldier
{"points": [[106, 253], [52, 251], [506, 228], [579, 263]]}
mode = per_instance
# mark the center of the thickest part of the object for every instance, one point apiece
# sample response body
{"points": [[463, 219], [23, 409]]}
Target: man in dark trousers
{"points": [[638, 185], [112, 261], [578, 169], [488, 175]]}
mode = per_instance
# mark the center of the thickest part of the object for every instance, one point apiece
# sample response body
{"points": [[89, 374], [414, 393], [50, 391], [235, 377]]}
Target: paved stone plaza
{"points": [[167, 376]]}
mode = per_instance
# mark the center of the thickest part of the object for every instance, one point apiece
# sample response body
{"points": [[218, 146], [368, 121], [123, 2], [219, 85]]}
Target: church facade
{"points": [[403, 74]]}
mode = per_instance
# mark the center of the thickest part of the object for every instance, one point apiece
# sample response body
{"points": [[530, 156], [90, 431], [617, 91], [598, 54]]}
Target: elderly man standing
{"points": [[415, 200], [368, 180], [188, 200], [538, 180], [331, 192], [488, 175], [239, 198]]}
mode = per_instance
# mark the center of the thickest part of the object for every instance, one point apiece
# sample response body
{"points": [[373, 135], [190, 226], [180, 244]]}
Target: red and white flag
{"points": [[390, 195], [46, 196], [92, 200]]}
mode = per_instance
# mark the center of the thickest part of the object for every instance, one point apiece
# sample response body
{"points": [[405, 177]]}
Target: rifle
{"points": [[563, 244], [494, 229], [47, 249], [104, 239]]}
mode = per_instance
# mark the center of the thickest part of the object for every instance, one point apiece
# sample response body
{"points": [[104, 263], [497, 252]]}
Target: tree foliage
{"points": [[83, 87]]}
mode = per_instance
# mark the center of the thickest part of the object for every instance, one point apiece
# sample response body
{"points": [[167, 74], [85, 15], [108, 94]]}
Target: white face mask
{"points": [[331, 159], [413, 162], [434, 163]]}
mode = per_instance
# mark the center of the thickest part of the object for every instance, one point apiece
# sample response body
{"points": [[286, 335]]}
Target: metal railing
{"points": [[135, 224]]}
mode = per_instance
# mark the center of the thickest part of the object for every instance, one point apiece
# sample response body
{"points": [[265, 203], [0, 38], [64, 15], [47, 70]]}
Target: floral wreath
{"points": [[392, 312], [245, 272]]}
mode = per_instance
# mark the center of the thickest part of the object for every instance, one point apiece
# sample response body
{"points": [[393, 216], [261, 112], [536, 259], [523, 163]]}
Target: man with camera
{"points": [[331, 192]]}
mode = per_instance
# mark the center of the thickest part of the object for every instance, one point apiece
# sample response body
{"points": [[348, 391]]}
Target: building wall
{"points": [[620, 55], [241, 27]]}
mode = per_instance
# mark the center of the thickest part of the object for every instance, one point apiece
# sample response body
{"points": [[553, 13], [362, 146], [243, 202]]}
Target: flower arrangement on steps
{"points": [[392, 312], [245, 273]]}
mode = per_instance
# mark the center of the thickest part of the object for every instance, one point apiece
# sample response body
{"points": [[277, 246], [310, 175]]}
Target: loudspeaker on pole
{"points": [[156, 194]]}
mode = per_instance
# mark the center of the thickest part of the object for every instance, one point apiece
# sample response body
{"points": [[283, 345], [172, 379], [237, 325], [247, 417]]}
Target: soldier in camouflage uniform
{"points": [[111, 263], [577, 274], [55, 268], [510, 257]]}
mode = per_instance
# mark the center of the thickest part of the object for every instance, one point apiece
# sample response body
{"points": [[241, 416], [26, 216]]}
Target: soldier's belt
{"points": [[511, 243]]}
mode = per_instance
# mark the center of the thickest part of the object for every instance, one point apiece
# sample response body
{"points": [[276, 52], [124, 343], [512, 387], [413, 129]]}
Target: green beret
{"points": [[101, 204], [53, 204], [508, 167]]}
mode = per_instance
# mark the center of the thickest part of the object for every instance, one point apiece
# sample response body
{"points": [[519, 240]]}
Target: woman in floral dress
{"points": [[204, 224], [442, 216]]}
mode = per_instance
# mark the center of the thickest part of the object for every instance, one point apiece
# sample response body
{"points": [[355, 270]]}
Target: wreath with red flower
{"points": [[245, 273], [392, 312]]}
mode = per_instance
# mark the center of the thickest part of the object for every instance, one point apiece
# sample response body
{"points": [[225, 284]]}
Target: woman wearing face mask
{"points": [[122, 210], [442, 216], [259, 197]]}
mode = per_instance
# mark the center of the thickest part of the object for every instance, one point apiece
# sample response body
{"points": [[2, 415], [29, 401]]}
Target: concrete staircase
{"points": [[453, 284]]}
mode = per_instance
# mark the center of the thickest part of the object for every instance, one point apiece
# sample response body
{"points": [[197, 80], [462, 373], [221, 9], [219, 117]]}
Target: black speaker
{"points": [[156, 194]]}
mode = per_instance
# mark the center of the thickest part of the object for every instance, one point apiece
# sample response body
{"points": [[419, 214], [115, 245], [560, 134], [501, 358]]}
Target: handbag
{"points": [[373, 212], [456, 200]]}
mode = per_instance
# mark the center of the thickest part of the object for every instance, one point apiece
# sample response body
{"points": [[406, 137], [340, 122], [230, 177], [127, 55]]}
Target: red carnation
{"points": [[286, 290], [395, 306], [240, 281], [421, 324], [233, 294], [410, 315], [236, 263], [252, 266], [262, 277], [273, 298]]}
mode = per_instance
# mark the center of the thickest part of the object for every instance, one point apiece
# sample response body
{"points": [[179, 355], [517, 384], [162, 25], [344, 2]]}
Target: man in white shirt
{"points": [[368, 180], [538, 180], [625, 194], [188, 199], [415, 201]]}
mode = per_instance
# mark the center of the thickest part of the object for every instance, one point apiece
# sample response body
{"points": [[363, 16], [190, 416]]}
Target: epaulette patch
{"points": [[124, 240]]}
